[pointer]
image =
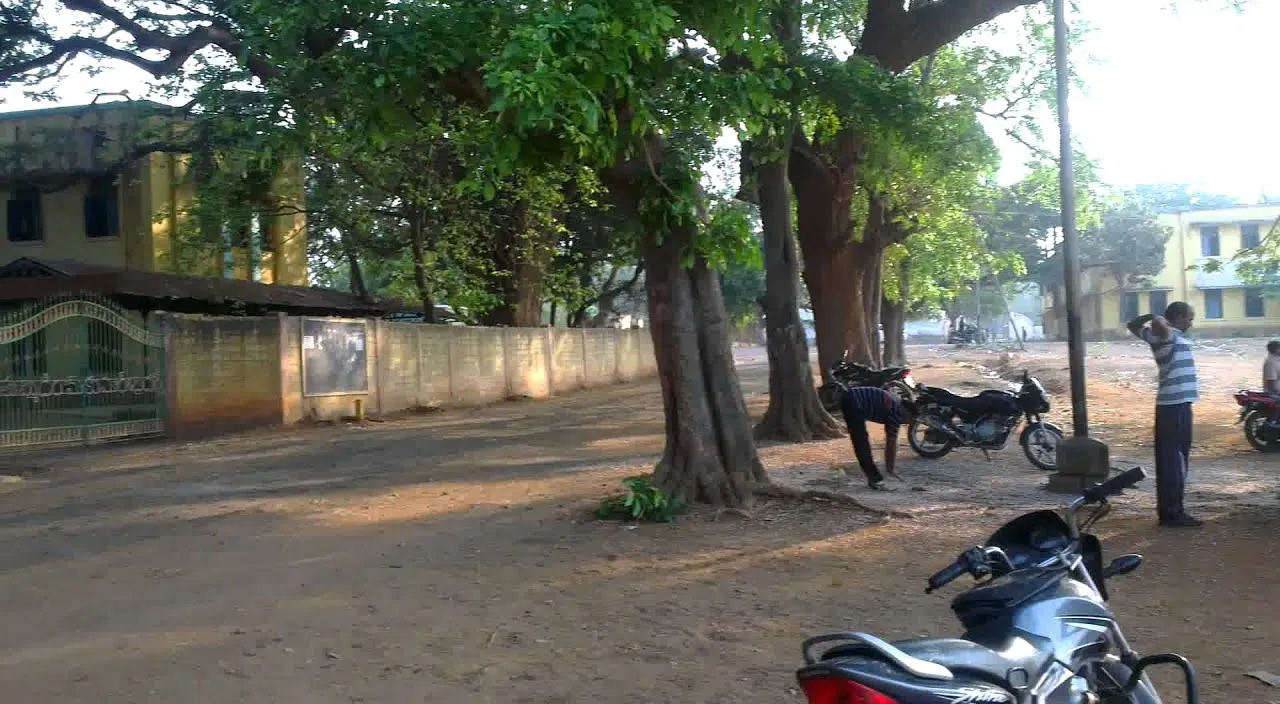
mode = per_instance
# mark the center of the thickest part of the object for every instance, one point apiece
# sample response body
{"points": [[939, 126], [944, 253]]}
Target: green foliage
{"points": [[1127, 241], [1173, 197], [642, 501], [743, 287]]}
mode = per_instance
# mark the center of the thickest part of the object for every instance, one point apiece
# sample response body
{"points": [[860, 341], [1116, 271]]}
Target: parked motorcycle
{"points": [[1261, 417], [1038, 630], [947, 421], [966, 334], [845, 374]]}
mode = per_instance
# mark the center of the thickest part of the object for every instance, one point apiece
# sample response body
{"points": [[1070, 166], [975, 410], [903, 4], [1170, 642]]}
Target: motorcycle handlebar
{"points": [[968, 563], [947, 575], [1114, 485]]}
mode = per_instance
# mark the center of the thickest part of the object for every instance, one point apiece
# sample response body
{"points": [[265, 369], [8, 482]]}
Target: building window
{"points": [[102, 207], [1209, 245], [1254, 307], [1129, 306], [1159, 301], [24, 216], [1213, 304], [1249, 237]]}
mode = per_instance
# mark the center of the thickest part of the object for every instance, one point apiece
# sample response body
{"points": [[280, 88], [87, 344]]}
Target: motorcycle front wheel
{"points": [[927, 442], [1253, 421], [1040, 444]]}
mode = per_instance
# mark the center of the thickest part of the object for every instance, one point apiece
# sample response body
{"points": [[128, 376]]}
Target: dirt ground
{"points": [[451, 557]]}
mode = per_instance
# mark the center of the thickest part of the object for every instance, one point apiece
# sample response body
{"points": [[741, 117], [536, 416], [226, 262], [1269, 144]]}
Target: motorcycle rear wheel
{"points": [[1252, 420], [927, 448]]}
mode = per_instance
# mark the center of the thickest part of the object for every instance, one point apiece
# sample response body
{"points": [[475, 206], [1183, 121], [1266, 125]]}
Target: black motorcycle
{"points": [[1038, 630], [947, 421], [965, 334], [845, 374]]}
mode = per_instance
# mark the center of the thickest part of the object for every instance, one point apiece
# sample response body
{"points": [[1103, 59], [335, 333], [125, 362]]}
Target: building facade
{"points": [[103, 184], [1225, 305]]}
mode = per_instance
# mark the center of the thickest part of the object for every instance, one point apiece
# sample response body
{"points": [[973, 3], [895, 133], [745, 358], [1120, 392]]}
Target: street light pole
{"points": [[1070, 248], [1081, 460]]}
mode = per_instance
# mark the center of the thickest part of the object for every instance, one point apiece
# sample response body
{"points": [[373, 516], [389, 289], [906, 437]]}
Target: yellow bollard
{"points": [[359, 410]]}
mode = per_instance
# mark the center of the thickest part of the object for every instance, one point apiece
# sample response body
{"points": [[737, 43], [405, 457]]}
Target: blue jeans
{"points": [[1173, 452]]}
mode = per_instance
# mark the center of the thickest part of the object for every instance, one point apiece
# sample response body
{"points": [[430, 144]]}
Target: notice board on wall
{"points": [[334, 357]]}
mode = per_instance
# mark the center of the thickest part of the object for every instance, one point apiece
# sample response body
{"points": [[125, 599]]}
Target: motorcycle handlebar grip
{"points": [[1115, 485], [948, 574]]}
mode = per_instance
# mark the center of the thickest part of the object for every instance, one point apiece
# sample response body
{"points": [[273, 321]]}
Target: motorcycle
{"points": [[1260, 414], [947, 421], [1037, 631], [966, 335], [845, 374]]}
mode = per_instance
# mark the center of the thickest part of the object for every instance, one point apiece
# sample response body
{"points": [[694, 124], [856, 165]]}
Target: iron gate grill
{"points": [[79, 369]]}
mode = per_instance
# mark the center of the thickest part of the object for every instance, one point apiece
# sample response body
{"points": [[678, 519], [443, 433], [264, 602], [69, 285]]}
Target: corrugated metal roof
{"points": [[30, 278]]}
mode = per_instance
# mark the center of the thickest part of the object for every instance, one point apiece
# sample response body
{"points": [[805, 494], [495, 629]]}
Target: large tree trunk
{"points": [[834, 262], [825, 175], [521, 292], [521, 260], [893, 314], [795, 414], [872, 291], [355, 271], [709, 456], [418, 248]]}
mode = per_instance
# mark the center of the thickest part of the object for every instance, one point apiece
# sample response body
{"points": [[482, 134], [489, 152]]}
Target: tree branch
{"points": [[179, 48], [896, 37]]}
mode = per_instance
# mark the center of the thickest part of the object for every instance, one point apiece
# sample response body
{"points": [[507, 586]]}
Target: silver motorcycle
{"points": [[1037, 628]]}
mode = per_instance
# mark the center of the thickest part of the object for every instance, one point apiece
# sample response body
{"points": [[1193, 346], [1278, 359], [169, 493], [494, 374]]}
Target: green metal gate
{"points": [[78, 370]]}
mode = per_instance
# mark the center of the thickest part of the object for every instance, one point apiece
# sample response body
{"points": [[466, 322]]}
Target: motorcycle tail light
{"points": [[833, 690]]}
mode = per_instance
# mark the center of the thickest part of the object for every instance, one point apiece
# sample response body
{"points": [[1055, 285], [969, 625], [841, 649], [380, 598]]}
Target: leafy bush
{"points": [[642, 502]]}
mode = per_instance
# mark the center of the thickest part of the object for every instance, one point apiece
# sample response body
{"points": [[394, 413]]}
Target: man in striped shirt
{"points": [[1178, 390], [869, 404]]}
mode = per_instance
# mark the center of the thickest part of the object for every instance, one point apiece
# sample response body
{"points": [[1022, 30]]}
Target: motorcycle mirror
{"points": [[1122, 565]]}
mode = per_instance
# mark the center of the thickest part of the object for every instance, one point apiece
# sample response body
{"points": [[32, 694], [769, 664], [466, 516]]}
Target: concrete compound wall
{"points": [[232, 373], [223, 373]]}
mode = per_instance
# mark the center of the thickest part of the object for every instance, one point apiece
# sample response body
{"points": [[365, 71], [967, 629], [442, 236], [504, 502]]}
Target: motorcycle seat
{"points": [[985, 401], [1015, 662]]}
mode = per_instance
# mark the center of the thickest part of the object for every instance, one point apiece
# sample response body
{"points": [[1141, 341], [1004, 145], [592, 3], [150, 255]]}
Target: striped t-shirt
{"points": [[875, 405], [1177, 368]]}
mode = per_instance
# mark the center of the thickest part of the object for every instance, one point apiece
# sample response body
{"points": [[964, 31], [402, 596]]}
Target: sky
{"points": [[1170, 97]]}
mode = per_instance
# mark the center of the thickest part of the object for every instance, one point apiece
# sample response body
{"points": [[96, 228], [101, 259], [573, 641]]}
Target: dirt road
{"points": [[451, 557]]}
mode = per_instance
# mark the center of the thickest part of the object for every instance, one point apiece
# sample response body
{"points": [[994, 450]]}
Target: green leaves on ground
{"points": [[641, 502]]}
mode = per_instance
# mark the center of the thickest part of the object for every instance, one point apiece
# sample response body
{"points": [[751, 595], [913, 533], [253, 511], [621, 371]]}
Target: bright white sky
{"points": [[1182, 97]]}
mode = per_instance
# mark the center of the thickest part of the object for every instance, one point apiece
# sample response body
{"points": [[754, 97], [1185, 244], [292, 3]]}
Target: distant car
{"points": [[445, 315]]}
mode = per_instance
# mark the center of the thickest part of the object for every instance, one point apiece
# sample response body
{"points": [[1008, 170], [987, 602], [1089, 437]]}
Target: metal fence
{"points": [[79, 369]]}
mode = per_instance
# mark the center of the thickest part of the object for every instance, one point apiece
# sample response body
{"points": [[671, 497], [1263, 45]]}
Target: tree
{"points": [[1172, 197], [826, 164], [795, 413], [1127, 242]]}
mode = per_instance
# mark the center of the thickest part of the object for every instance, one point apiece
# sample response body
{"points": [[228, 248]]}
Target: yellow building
{"points": [[1225, 306], [102, 184]]}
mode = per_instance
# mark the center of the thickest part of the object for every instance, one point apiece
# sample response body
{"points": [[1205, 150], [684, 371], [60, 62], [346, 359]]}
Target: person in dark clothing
{"points": [[868, 404]]}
